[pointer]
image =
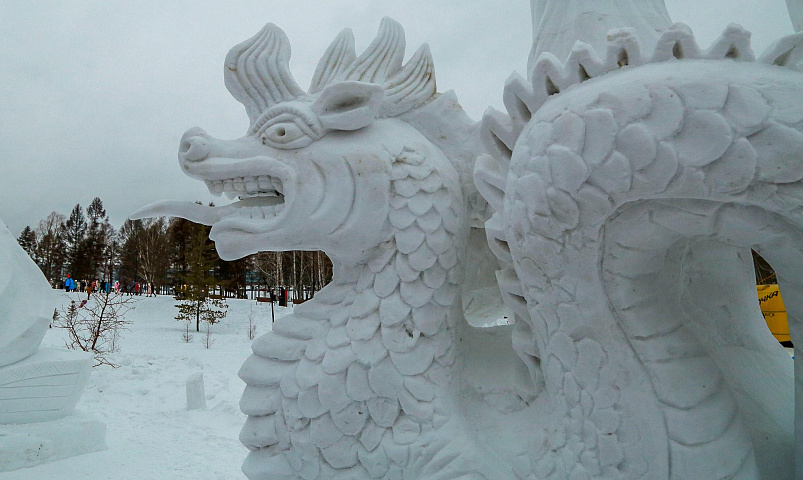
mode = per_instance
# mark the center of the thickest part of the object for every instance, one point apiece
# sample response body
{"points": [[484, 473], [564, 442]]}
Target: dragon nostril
{"points": [[194, 149]]}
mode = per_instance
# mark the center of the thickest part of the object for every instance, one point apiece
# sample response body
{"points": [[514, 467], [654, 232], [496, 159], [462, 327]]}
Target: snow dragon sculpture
{"points": [[616, 182], [375, 168], [629, 188]]}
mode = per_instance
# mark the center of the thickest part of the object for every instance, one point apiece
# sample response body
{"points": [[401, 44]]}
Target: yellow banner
{"points": [[769, 299]]}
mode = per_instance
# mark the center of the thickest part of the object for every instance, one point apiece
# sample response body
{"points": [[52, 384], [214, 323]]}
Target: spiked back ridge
{"points": [[549, 76], [257, 71]]}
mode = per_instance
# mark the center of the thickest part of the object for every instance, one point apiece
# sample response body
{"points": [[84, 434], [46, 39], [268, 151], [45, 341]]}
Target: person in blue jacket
{"points": [[69, 284]]}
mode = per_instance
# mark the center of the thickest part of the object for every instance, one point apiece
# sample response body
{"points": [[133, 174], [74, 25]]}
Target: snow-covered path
{"points": [[150, 434]]}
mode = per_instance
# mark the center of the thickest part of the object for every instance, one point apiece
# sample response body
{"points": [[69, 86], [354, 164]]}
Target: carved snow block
{"points": [[196, 397], [45, 386], [28, 445], [26, 301]]}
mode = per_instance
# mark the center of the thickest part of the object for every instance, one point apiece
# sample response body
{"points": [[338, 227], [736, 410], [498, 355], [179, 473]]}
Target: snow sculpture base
{"points": [[23, 446], [37, 384], [45, 386]]}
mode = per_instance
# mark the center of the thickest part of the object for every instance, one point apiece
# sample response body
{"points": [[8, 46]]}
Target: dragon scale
{"points": [[615, 193]]}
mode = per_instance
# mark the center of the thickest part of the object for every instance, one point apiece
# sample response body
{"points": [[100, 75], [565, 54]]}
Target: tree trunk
{"points": [[295, 275], [100, 323], [277, 279], [319, 270]]}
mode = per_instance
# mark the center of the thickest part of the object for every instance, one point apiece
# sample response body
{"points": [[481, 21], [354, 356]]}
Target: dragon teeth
{"points": [[261, 213], [249, 185], [214, 188]]}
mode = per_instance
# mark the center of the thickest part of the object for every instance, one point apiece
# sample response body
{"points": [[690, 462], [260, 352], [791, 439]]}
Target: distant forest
{"points": [[159, 251]]}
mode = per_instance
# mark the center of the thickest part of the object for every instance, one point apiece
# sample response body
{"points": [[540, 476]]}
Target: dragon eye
{"points": [[285, 135]]}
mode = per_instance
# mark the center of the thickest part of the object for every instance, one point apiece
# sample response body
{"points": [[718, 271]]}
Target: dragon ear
{"points": [[348, 105]]}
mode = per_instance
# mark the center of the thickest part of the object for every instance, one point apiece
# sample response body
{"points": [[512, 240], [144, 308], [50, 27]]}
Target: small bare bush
{"points": [[252, 325], [208, 335], [95, 325], [186, 335]]}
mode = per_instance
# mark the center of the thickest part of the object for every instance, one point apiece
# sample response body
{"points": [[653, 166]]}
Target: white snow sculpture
{"points": [[39, 387], [630, 185], [35, 384], [27, 305], [379, 377], [375, 168]]}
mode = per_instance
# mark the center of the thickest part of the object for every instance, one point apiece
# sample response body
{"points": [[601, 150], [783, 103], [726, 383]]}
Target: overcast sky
{"points": [[94, 95]]}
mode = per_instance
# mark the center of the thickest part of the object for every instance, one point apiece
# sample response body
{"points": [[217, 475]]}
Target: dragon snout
{"points": [[194, 145]]}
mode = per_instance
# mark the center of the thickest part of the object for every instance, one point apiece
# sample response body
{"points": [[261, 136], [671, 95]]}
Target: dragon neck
{"points": [[392, 305]]}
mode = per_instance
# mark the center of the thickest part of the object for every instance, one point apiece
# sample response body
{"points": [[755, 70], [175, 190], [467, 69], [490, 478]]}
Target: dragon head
{"points": [[313, 171]]}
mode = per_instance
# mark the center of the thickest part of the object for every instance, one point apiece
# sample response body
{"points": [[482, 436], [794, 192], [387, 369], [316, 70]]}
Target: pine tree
{"points": [[27, 241], [97, 239], [231, 274], [95, 212], [198, 280], [74, 235], [180, 233], [127, 239]]}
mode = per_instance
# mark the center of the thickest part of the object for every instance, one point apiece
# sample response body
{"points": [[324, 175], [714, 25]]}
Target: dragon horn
{"points": [[383, 58], [339, 56], [257, 71]]}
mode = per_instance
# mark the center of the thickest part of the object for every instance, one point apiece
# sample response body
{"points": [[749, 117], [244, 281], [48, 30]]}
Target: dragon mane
{"points": [[257, 70]]}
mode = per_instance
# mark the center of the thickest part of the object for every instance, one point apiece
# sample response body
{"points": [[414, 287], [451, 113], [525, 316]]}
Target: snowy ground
{"points": [[150, 433]]}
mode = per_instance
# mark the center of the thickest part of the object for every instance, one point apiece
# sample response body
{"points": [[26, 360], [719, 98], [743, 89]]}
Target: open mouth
{"points": [[250, 186], [263, 200], [259, 197]]}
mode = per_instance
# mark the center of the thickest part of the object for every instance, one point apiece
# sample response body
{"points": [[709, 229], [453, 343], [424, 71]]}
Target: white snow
{"points": [[150, 432], [32, 444]]}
